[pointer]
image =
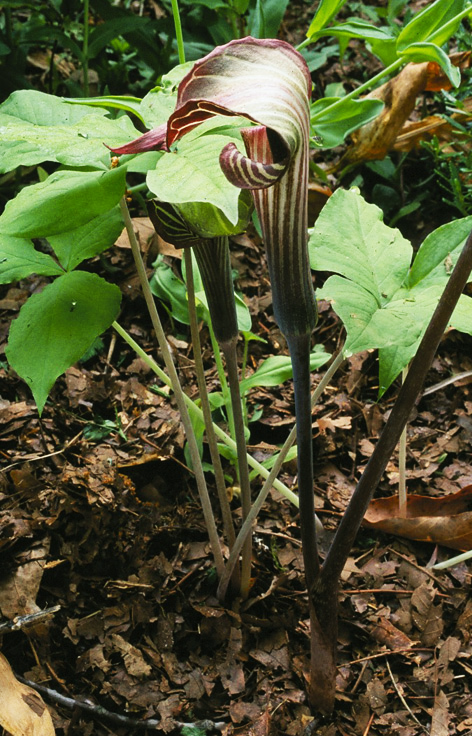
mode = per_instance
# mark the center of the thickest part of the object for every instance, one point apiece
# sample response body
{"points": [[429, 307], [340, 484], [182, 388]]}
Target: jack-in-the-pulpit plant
{"points": [[268, 82]]}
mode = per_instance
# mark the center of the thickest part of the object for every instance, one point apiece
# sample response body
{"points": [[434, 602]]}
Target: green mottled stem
{"points": [[202, 389], [229, 351], [179, 394]]}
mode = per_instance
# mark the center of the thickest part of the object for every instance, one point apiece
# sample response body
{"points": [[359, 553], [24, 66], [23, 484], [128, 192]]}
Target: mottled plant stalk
{"points": [[205, 404], [271, 481], [213, 260]]}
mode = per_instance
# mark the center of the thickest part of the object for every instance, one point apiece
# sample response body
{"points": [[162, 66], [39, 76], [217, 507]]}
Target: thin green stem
{"points": [[231, 358], [359, 90], [178, 31], [85, 69], [202, 390], [193, 408], [271, 480], [179, 394]]}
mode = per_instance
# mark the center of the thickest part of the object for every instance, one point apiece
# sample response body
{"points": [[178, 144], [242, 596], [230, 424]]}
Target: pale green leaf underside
{"points": [[193, 174], [19, 259], [351, 239], [56, 327]]}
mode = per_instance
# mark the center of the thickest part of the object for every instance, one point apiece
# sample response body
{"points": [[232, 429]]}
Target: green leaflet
{"points": [[326, 11], [277, 369], [66, 200], [74, 246], [19, 259], [333, 126], [56, 327], [383, 303]]}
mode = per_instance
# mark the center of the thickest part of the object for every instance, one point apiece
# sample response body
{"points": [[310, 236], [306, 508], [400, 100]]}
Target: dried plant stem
{"points": [[202, 390], [179, 394]]}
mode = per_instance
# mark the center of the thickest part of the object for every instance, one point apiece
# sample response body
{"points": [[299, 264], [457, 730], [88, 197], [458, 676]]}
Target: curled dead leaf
{"points": [[22, 710], [446, 520], [374, 140]]}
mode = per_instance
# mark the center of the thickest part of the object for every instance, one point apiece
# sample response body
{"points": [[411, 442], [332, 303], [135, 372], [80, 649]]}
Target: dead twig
{"points": [[100, 713], [400, 695]]}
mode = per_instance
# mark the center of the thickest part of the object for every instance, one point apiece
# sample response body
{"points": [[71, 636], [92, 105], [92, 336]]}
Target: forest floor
{"points": [[99, 516], [100, 520]]}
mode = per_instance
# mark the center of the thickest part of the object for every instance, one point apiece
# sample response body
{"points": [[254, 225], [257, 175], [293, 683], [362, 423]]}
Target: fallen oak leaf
{"points": [[22, 710], [446, 520]]}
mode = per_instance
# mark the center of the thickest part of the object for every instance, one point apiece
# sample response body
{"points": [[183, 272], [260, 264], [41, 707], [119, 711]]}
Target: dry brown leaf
{"points": [[446, 520], [22, 710], [441, 717], [386, 633], [19, 590], [374, 140]]}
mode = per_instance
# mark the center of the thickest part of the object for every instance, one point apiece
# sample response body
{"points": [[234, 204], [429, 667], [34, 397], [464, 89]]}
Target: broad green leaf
{"points": [[327, 9], [65, 201], [74, 246], [333, 125], [393, 359], [433, 23], [157, 106], [423, 51], [193, 174], [388, 311], [19, 259], [37, 127], [351, 239], [56, 327], [277, 369]]}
